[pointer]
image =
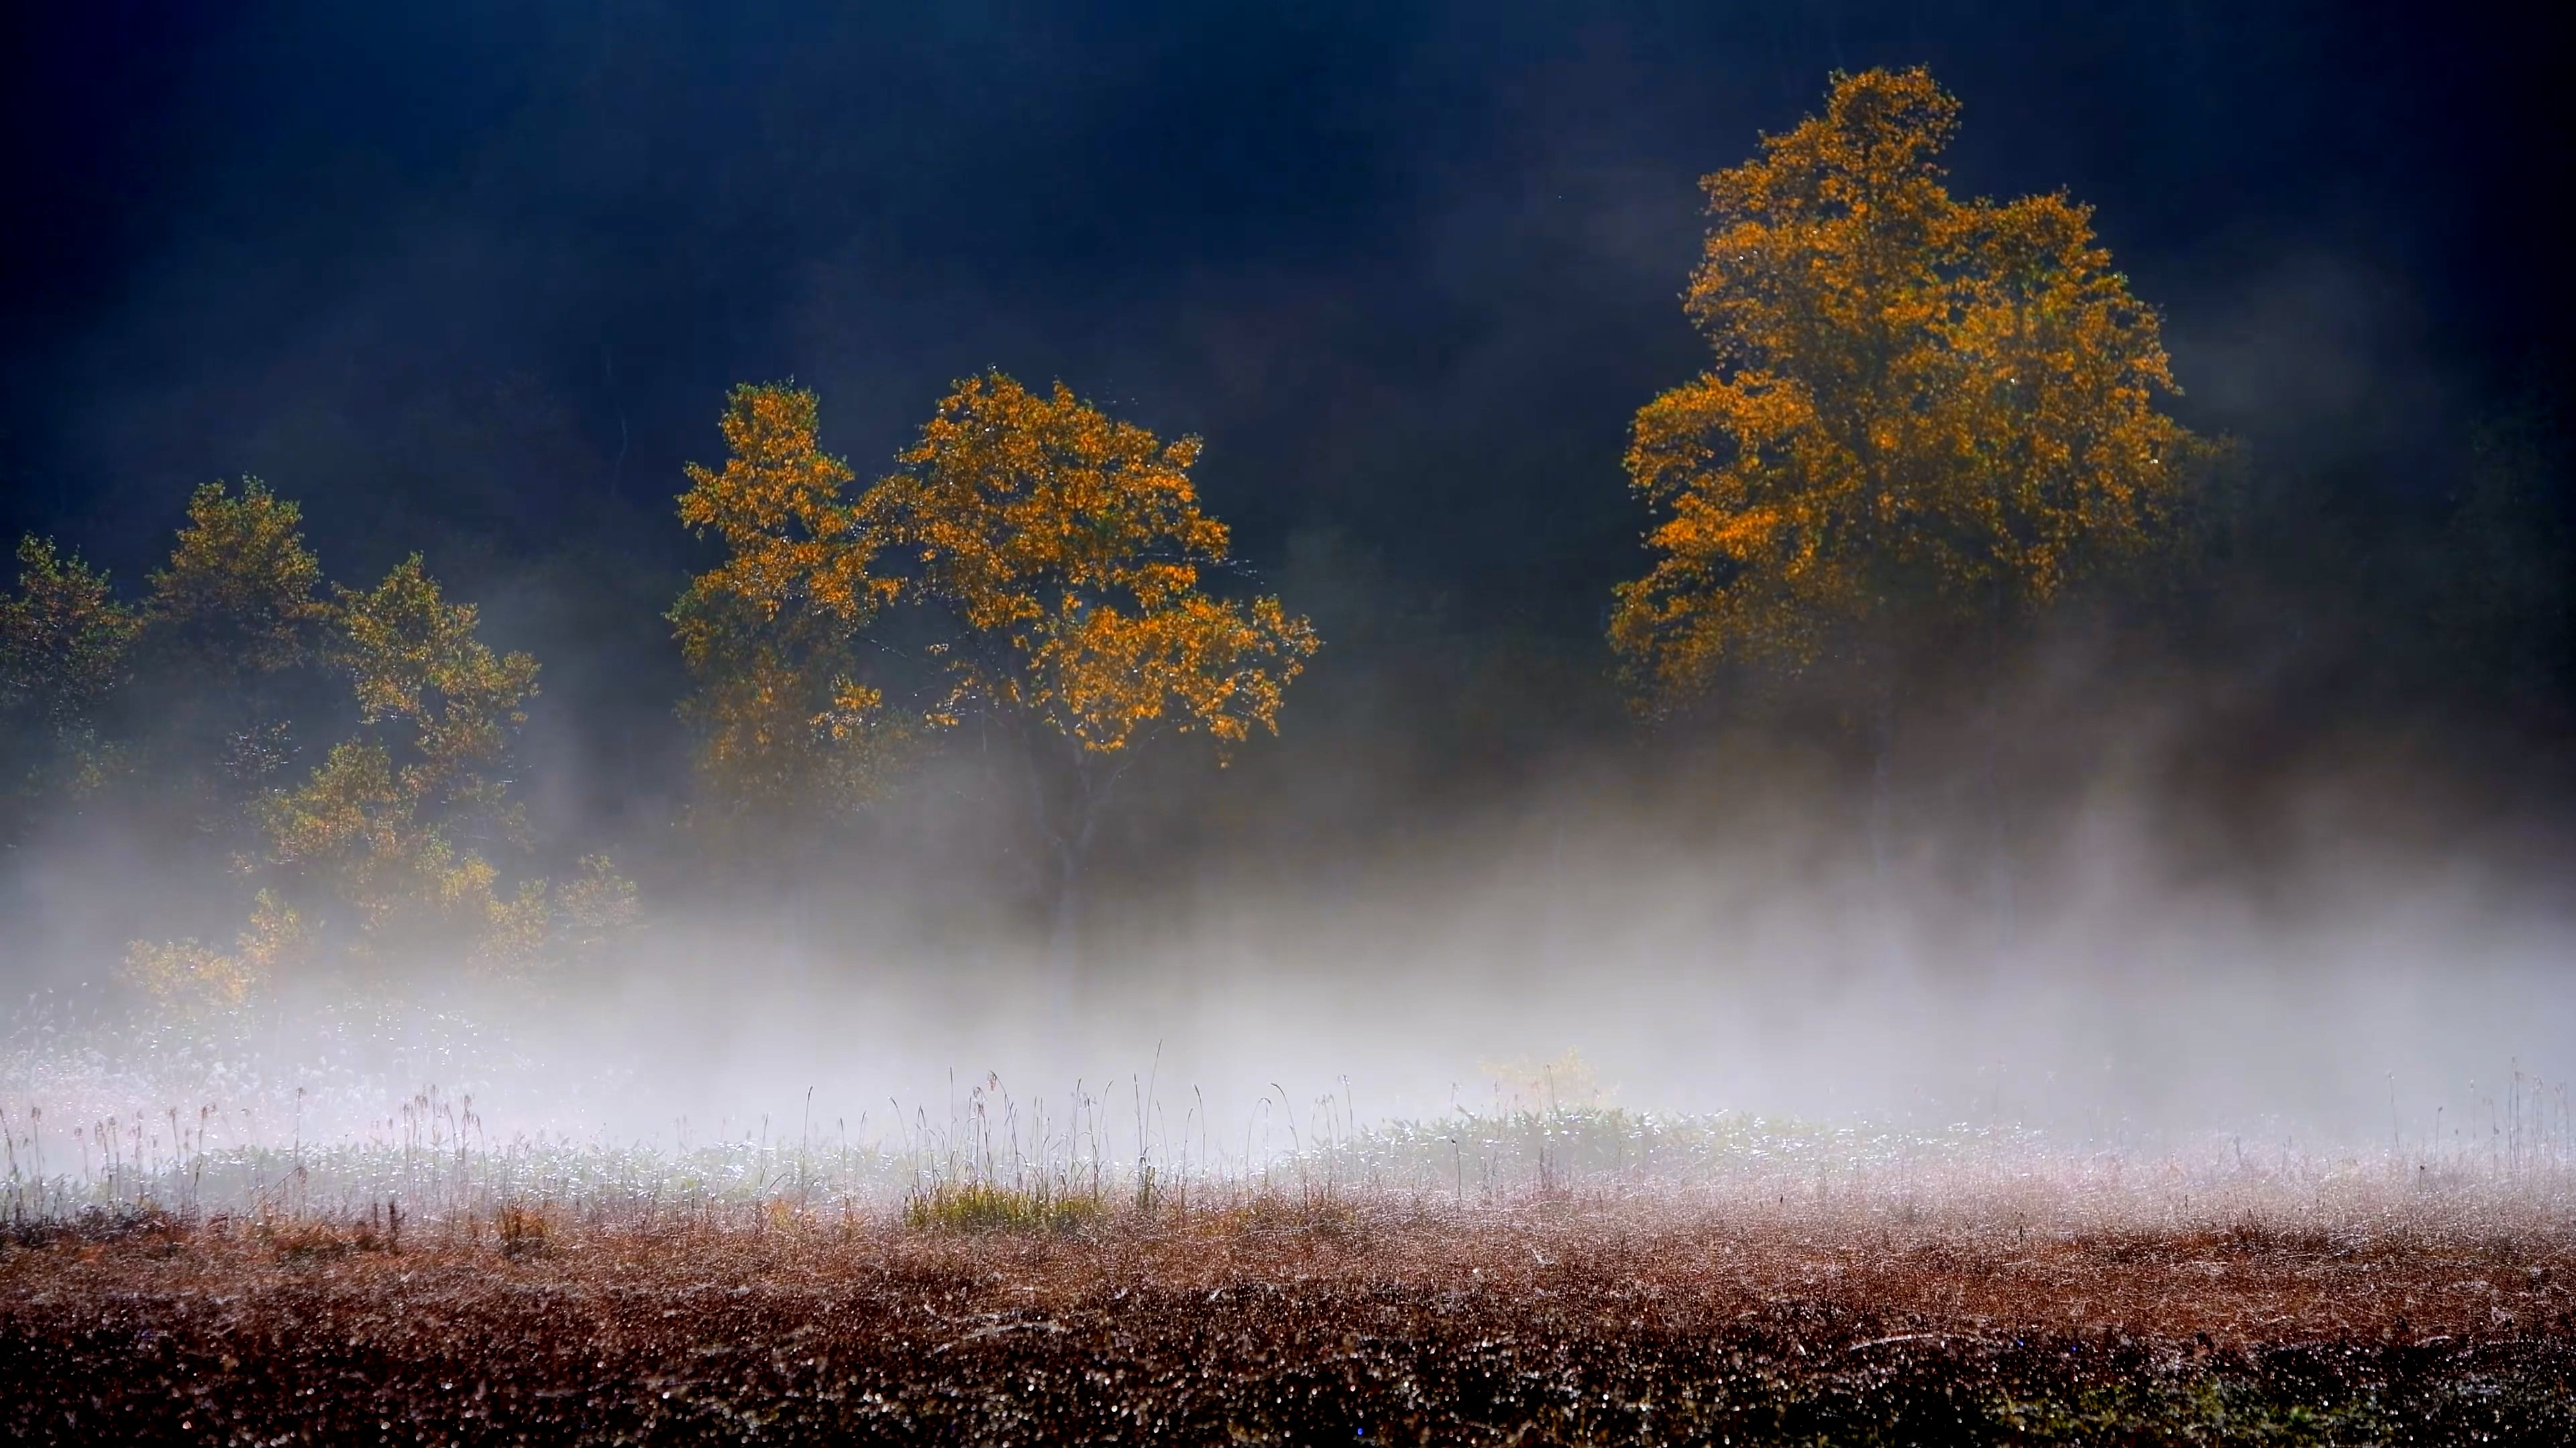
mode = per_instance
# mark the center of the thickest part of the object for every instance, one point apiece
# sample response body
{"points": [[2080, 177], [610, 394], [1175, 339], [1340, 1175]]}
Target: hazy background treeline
{"points": [[475, 289]]}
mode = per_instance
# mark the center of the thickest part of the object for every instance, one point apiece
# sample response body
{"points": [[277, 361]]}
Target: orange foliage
{"points": [[1919, 403], [1067, 548], [770, 634], [1062, 549]]}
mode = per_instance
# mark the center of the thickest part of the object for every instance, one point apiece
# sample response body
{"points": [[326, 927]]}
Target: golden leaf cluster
{"points": [[770, 634], [196, 977], [1919, 403], [1061, 549], [1067, 548], [793, 538]]}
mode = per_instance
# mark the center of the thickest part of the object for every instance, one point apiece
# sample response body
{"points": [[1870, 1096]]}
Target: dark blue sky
{"points": [[473, 276]]}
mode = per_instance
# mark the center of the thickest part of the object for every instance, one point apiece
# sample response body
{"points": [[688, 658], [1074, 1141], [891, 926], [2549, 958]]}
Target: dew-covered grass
{"points": [[1577, 1315], [1570, 1277], [1052, 1268]]}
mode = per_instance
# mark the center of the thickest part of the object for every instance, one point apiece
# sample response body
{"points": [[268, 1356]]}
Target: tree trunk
{"points": [[1069, 829], [1882, 820], [1882, 749], [1069, 819], [1999, 867], [1064, 928], [800, 929]]}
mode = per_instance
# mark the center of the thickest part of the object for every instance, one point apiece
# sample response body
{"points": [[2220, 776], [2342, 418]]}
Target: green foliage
{"points": [[231, 655], [594, 910], [240, 595], [389, 827], [66, 647], [420, 673], [396, 846], [985, 1206], [65, 641]]}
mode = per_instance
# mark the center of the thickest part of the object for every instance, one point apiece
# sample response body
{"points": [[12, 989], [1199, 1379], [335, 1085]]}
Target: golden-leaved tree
{"points": [[771, 636], [1063, 550], [1927, 415], [1058, 556], [197, 978]]}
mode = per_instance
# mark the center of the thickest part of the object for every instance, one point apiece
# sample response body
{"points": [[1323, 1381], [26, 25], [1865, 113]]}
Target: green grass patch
{"points": [[983, 1206]]}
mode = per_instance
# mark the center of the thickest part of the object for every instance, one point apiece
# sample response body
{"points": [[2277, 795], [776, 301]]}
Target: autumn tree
{"points": [[66, 649], [1923, 410], [394, 849], [200, 980], [398, 826], [233, 643], [1064, 551], [1057, 557], [771, 637]]}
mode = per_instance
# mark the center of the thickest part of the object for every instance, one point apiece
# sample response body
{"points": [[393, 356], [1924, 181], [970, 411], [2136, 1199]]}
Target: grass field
{"points": [[1597, 1278]]}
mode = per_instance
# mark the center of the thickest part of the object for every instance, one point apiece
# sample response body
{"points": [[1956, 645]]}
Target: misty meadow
{"points": [[1822, 725]]}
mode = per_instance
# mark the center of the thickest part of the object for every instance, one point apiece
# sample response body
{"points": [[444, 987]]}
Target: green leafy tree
{"points": [[234, 633], [241, 594], [398, 827], [66, 649], [393, 845], [395, 850]]}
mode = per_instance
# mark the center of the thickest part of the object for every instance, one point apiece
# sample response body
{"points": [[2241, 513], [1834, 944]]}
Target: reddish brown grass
{"points": [[1575, 1320]]}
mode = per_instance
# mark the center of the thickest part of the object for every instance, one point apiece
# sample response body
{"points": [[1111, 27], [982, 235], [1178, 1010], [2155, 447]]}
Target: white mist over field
{"points": [[2119, 1009], [2377, 996]]}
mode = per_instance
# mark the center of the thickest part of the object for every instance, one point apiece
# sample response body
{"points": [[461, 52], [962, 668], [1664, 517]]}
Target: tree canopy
{"points": [[1921, 407], [399, 848], [770, 635], [390, 823], [1053, 558], [1066, 548], [66, 647], [241, 593]]}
